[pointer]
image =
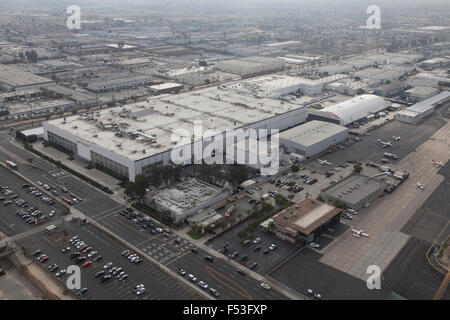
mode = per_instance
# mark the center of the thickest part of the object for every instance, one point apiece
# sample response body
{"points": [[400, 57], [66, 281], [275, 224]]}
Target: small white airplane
{"points": [[324, 162], [359, 233], [420, 185], [384, 144], [438, 164], [396, 138]]}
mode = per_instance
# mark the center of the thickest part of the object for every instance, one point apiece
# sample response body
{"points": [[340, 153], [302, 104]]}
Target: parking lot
{"points": [[258, 253], [14, 214], [158, 285]]}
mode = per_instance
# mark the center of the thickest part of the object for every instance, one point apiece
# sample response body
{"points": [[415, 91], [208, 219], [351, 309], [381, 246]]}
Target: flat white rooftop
{"points": [[127, 130], [312, 132], [17, 78]]}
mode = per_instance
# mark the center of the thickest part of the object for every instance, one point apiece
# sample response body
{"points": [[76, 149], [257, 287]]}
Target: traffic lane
{"points": [[42, 170], [127, 233], [12, 224], [156, 246], [223, 277], [194, 263]]}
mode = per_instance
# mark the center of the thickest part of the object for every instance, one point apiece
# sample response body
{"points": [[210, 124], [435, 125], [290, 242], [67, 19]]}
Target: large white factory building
{"points": [[128, 141]]}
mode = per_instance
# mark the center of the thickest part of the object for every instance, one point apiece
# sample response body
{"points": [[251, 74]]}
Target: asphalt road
{"points": [[100, 207]]}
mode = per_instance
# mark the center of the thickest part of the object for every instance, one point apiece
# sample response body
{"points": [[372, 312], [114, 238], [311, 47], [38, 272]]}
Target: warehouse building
{"points": [[417, 94], [353, 191], [312, 137], [14, 79], [250, 66], [420, 110], [276, 86], [435, 63], [304, 220], [165, 88], [185, 199], [120, 83], [129, 140], [351, 110]]}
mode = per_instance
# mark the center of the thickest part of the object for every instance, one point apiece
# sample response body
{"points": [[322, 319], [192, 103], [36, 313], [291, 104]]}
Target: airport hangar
{"points": [[303, 220], [312, 137], [354, 190], [420, 110], [127, 141], [348, 111]]}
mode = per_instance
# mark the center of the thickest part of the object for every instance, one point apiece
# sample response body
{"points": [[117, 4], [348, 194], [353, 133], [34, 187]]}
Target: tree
{"points": [[237, 175], [137, 188], [281, 200], [155, 176], [31, 56], [21, 56], [271, 226], [357, 167], [295, 168]]}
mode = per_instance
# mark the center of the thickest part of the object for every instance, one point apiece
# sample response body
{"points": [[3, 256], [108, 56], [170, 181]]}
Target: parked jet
{"points": [[438, 164], [359, 233], [324, 162], [384, 144], [420, 186]]}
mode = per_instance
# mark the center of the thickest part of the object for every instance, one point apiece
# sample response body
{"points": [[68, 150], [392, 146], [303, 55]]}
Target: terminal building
{"points": [[420, 110], [312, 137], [185, 199], [353, 191], [348, 111], [130, 140], [304, 220]]}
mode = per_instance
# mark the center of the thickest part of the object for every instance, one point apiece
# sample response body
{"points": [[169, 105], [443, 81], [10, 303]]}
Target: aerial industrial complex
{"points": [[225, 151]]}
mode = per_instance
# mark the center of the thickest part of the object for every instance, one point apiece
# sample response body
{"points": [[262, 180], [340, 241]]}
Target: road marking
{"points": [[243, 292], [146, 235]]}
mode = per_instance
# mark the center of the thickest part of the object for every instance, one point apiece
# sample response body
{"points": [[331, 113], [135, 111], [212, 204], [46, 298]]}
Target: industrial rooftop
{"points": [[149, 125], [16, 78], [184, 195], [312, 132], [353, 188], [306, 216]]}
